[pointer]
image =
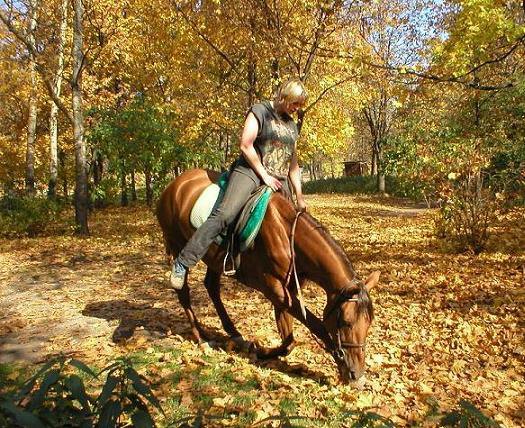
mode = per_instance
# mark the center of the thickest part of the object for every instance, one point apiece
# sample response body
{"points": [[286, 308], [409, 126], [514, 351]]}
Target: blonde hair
{"points": [[291, 90]]}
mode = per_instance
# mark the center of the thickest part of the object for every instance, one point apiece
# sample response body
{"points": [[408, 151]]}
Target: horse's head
{"points": [[347, 318]]}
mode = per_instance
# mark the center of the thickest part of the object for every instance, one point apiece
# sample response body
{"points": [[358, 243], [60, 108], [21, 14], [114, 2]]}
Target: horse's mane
{"points": [[364, 303]]}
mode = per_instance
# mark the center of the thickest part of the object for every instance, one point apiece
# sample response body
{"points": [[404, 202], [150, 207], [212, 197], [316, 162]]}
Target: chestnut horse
{"points": [[348, 311]]}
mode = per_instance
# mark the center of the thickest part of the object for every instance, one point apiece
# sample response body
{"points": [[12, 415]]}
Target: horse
{"points": [[266, 267]]}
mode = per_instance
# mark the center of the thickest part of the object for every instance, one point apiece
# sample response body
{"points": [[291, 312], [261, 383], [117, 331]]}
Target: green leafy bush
{"points": [[507, 176], [364, 185], [56, 397], [357, 184], [59, 394], [27, 215], [467, 415]]}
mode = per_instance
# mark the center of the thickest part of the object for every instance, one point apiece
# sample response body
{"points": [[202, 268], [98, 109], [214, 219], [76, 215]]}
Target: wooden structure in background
{"points": [[353, 168]]}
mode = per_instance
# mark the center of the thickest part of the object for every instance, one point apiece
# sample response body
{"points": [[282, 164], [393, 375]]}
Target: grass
{"points": [[228, 392], [12, 375]]}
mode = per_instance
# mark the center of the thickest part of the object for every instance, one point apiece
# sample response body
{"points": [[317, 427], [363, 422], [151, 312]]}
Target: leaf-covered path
{"points": [[447, 326]]}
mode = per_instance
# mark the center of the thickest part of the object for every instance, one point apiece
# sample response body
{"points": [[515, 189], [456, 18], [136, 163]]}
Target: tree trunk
{"points": [[252, 79], [98, 170], [380, 174], [32, 117], [375, 166], [275, 71], [31, 138], [300, 120], [123, 187], [149, 190], [81, 185], [53, 117], [62, 163], [133, 187], [381, 186]]}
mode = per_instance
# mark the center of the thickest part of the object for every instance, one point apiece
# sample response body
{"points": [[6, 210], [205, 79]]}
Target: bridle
{"points": [[340, 346]]}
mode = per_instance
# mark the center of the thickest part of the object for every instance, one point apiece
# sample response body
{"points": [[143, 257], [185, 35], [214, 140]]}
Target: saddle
{"points": [[242, 232]]}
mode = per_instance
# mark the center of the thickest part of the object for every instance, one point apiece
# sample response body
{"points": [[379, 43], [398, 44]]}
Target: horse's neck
{"points": [[320, 258]]}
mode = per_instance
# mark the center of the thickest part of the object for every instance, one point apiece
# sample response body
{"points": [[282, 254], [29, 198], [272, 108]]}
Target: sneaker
{"points": [[178, 274]]}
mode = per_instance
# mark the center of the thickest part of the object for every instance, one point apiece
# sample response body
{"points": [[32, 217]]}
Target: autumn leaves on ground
{"points": [[447, 327]]}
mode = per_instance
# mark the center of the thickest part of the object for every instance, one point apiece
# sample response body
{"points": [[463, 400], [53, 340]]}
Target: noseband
{"points": [[340, 347]]}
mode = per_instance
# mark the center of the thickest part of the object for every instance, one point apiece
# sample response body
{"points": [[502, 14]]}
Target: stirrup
{"points": [[229, 272], [232, 271]]}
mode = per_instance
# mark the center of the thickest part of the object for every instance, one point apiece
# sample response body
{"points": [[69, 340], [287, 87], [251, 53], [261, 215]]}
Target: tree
{"points": [[53, 116], [32, 116], [138, 138], [11, 18]]}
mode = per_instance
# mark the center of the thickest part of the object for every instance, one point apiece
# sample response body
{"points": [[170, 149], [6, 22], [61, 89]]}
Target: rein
{"points": [[338, 351], [293, 268]]}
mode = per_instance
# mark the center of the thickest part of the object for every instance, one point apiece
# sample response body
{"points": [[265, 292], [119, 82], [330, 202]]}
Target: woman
{"points": [[268, 155]]}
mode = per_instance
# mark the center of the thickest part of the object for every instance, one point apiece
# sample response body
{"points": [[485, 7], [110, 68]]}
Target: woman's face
{"points": [[292, 106]]}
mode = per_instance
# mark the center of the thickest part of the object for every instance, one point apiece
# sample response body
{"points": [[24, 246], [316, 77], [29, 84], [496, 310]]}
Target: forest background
{"points": [[102, 103], [103, 97]]}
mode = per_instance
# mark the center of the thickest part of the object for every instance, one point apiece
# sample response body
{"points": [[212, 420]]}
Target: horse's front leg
{"points": [[285, 327], [288, 304], [184, 298], [213, 286], [281, 299]]}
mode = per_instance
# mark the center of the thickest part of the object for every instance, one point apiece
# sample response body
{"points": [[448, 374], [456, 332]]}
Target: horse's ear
{"points": [[372, 280]]}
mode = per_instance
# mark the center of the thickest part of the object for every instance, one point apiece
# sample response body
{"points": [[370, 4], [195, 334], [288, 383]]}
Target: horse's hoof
{"points": [[208, 345], [244, 345], [213, 344]]}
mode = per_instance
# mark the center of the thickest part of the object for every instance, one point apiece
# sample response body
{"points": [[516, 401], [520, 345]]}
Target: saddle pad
{"points": [[204, 205], [252, 216]]}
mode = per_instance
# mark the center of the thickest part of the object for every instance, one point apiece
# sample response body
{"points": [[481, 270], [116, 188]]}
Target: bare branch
{"points": [[325, 91], [203, 36]]}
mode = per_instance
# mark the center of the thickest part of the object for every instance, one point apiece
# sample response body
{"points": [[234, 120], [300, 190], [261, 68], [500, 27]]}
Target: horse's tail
{"points": [[166, 215]]}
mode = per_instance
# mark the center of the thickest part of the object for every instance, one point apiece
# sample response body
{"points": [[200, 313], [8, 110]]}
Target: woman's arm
{"points": [[295, 178], [249, 134]]}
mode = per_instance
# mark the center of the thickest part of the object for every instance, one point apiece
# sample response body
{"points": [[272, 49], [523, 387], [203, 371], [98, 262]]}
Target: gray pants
{"points": [[240, 187]]}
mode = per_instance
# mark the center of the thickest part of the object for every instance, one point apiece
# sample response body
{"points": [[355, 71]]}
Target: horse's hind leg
{"points": [[184, 298], [213, 286]]}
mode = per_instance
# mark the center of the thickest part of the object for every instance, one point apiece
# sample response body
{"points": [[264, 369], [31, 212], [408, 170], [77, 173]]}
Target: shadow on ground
{"points": [[158, 322]]}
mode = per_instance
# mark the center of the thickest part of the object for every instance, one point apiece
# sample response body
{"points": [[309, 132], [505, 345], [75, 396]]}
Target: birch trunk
{"points": [[81, 188], [32, 116], [53, 117]]}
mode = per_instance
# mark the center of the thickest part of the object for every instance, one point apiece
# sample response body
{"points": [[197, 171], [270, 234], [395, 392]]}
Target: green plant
{"points": [[357, 184], [468, 416], [125, 393], [27, 215], [56, 397], [367, 419]]}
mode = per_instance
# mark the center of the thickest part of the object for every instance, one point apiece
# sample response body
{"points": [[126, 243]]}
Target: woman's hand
{"points": [[301, 204], [272, 182]]}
